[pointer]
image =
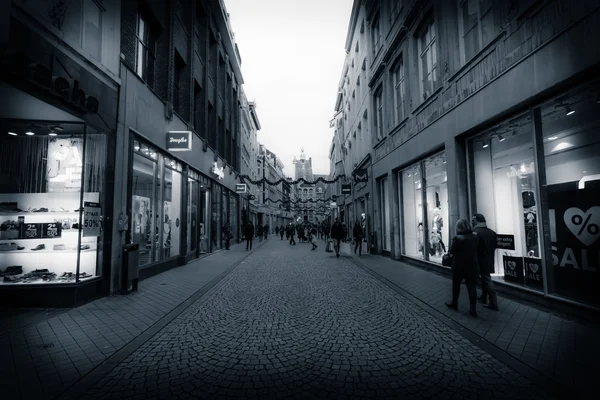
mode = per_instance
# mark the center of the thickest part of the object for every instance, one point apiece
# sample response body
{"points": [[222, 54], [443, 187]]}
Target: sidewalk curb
{"points": [[543, 381], [87, 381]]}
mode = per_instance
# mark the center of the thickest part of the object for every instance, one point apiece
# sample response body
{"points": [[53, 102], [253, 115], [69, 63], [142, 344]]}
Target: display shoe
{"points": [[13, 270], [84, 275], [60, 247], [49, 277], [75, 226], [8, 246], [66, 226], [39, 247], [20, 248], [43, 209], [84, 247], [12, 279]]}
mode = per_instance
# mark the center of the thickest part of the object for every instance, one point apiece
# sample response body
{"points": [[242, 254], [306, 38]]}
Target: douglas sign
{"points": [[179, 140]]}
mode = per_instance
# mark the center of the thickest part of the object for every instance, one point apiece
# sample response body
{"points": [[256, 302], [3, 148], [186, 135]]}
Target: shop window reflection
{"points": [[144, 189], [412, 211], [437, 206]]}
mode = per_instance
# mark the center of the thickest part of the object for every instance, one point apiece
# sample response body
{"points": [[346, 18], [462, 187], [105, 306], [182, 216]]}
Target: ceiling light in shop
{"points": [[570, 111], [553, 138], [29, 133], [562, 146], [137, 147], [52, 134], [12, 134], [501, 138], [486, 144]]}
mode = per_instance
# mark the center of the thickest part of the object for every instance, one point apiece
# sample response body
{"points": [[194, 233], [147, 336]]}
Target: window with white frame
{"points": [[427, 58], [145, 51], [376, 34], [378, 120], [476, 26], [399, 94]]}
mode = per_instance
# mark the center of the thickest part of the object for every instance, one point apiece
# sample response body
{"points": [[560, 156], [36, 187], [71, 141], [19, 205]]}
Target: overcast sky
{"points": [[292, 57]]}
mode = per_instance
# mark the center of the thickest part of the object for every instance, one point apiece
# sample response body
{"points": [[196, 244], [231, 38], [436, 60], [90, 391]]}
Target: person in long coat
{"points": [[463, 249], [249, 233], [487, 248]]}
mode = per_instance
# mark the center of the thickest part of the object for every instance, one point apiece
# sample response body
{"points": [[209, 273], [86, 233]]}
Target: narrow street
{"points": [[292, 323]]}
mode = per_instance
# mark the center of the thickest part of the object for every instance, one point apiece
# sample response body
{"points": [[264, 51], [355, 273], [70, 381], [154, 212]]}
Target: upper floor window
{"points": [[427, 58], [177, 81], [476, 26], [376, 34], [146, 57], [395, 7], [399, 94], [378, 120], [92, 29]]}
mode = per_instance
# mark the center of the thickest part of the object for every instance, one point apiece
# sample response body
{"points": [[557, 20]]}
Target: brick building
{"points": [[488, 107]]}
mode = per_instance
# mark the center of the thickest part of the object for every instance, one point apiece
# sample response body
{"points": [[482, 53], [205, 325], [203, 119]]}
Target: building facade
{"points": [[352, 133], [489, 107], [249, 125], [58, 93]]}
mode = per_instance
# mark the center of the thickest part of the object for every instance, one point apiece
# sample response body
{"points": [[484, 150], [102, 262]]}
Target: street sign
{"points": [[240, 188], [346, 188]]}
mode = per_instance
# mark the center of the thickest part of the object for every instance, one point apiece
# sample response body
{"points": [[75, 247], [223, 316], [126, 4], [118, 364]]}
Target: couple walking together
{"points": [[472, 255]]}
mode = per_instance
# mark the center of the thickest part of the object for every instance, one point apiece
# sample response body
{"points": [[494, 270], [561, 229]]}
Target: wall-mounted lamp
{"points": [[486, 144], [553, 138], [12, 134], [570, 111], [29, 132], [501, 138]]}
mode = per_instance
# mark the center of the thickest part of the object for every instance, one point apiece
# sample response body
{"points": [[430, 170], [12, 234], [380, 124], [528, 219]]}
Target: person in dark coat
{"points": [[337, 234], [259, 232], [249, 233], [291, 233], [358, 234], [464, 248], [485, 255], [281, 231], [266, 231], [227, 235]]}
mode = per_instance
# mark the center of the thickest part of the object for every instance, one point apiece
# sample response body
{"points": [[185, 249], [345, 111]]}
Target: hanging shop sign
{"points": [[179, 140], [533, 272], [240, 188], [575, 236], [361, 175], [513, 269], [218, 172], [505, 242], [67, 89], [346, 188], [91, 219]]}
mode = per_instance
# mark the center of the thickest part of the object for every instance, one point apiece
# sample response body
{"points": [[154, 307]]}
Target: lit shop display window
{"points": [[51, 187], [571, 141], [503, 189], [156, 204], [426, 233]]}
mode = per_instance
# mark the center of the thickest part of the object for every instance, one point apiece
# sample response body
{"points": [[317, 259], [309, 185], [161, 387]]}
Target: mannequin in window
{"points": [[437, 241], [420, 237]]}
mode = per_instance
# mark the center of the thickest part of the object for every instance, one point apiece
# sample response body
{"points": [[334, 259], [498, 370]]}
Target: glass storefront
{"points": [[52, 186], [193, 211], [385, 214], [216, 220], [571, 143], [156, 200], [426, 233], [505, 192]]}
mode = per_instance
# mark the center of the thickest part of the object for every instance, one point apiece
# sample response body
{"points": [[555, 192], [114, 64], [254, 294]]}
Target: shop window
{"points": [[426, 233], [384, 202], [216, 219], [193, 208], [171, 210], [378, 120], [570, 127], [177, 83], [146, 193], [504, 190], [44, 166]]}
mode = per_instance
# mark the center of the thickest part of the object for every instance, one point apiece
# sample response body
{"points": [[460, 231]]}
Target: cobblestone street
{"points": [[290, 322]]}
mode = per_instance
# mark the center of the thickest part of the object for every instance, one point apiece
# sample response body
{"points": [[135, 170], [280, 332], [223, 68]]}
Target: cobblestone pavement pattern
{"points": [[291, 323]]}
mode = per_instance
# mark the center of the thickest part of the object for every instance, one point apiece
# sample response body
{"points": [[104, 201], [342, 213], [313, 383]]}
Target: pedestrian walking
{"points": [[358, 234], [249, 233], [313, 237], [259, 232], [485, 256], [227, 235], [345, 232], [291, 233], [337, 234], [266, 231], [281, 231], [463, 249]]}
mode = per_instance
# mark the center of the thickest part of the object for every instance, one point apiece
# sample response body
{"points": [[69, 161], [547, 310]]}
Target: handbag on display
{"points": [[447, 260]]}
